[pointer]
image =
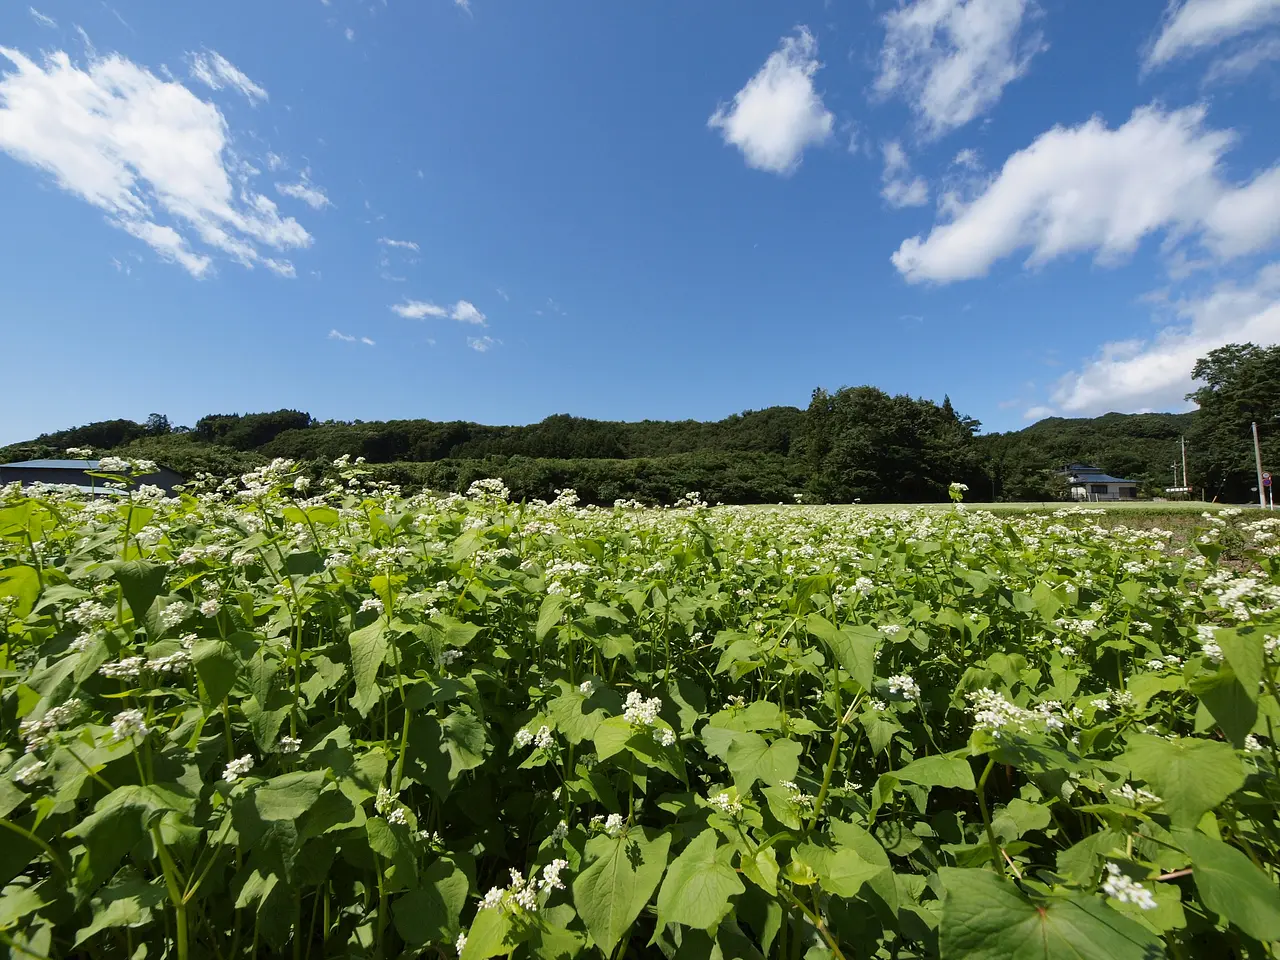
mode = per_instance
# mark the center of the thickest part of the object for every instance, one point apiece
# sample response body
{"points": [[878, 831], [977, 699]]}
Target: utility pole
{"points": [[1184, 468], [1257, 457]]}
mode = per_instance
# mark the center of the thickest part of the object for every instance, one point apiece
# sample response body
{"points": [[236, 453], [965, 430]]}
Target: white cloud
{"points": [[482, 344], [1038, 413], [1244, 62], [419, 310], [463, 311], [349, 33], [778, 113], [306, 191], [900, 189], [1195, 25], [399, 244], [350, 338], [464, 4], [275, 162], [216, 71], [1156, 373], [139, 148], [41, 19], [951, 59], [1085, 188]]}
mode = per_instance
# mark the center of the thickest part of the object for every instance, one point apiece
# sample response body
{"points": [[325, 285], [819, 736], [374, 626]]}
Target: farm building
{"points": [[76, 474], [1092, 483]]}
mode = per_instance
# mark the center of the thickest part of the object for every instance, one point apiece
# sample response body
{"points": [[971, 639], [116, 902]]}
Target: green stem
{"points": [[986, 817], [817, 922]]}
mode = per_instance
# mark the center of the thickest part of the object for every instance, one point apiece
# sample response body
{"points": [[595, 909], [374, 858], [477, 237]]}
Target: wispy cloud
{"points": [[951, 59], [1141, 374], [778, 114], [463, 311], [350, 338], [899, 188], [306, 191], [349, 33], [275, 162], [215, 71], [418, 310], [399, 244], [463, 4], [483, 344], [503, 294], [140, 148], [1037, 413], [1193, 25], [41, 19]]}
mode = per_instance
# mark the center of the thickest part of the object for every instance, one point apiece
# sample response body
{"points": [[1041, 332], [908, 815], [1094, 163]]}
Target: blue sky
{"points": [[500, 210]]}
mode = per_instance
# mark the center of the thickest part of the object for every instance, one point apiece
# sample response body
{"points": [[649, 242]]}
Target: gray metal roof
{"points": [[55, 464], [1100, 478]]}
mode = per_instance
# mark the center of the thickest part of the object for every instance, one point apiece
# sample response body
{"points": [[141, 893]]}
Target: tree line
{"points": [[855, 443]]}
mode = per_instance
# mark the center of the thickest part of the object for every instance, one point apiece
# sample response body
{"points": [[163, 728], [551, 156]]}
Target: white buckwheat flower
{"points": [[551, 875], [613, 824], [543, 739], [523, 738], [640, 712], [902, 685], [461, 943], [372, 603], [237, 768], [127, 724], [397, 817], [1126, 890], [586, 688], [290, 745]]}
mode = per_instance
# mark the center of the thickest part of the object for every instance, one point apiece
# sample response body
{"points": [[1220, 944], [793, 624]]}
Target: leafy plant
{"points": [[324, 718]]}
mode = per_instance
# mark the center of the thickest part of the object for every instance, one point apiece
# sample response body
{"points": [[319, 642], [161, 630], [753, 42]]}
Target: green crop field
{"points": [[277, 717]]}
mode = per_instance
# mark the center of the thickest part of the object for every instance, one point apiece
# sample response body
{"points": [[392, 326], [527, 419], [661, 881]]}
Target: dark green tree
{"points": [[1241, 387]]}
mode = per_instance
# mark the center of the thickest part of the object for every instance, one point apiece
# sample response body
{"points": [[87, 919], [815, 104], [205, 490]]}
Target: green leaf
{"points": [[141, 582], [491, 933], [938, 772], [698, 885], [368, 652], [840, 870], [1231, 885], [750, 758], [430, 913], [854, 647], [22, 582], [570, 719], [118, 821], [548, 614], [1019, 817], [620, 876], [218, 664], [762, 869], [987, 918], [289, 795], [1191, 775]]}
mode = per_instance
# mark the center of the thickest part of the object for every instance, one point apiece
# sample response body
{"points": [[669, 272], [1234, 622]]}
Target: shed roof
{"points": [[54, 464], [1101, 478]]}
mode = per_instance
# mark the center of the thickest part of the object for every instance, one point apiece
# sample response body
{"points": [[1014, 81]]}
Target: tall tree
{"points": [[1241, 387]]}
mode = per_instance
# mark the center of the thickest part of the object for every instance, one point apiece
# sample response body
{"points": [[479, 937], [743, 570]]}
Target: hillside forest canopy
{"points": [[852, 444]]}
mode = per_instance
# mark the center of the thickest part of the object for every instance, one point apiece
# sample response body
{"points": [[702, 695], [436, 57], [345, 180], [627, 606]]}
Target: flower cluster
{"points": [[643, 713], [902, 685], [1135, 795], [995, 715], [128, 724], [237, 768], [798, 797], [542, 739], [522, 894], [1127, 890], [36, 732], [726, 803]]}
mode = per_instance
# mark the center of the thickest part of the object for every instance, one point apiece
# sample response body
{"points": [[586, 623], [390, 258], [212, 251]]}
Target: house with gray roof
{"points": [[76, 473], [1093, 484]]}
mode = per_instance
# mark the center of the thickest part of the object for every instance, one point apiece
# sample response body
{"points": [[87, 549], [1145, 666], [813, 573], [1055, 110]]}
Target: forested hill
{"points": [[858, 443], [855, 443]]}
